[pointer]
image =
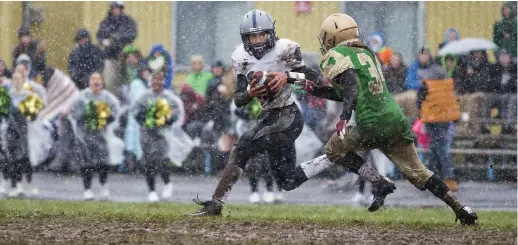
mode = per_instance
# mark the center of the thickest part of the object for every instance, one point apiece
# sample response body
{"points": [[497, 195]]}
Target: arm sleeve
{"points": [[138, 110], [241, 97], [77, 110], [327, 92], [349, 80], [309, 74], [114, 105]]}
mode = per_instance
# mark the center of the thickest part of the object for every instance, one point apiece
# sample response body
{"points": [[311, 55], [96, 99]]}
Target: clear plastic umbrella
{"points": [[466, 45]]}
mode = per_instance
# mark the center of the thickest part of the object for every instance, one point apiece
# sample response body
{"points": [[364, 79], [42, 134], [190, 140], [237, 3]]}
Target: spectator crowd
{"points": [[480, 89]]}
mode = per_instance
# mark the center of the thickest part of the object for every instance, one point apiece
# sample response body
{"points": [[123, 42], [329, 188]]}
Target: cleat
{"points": [[466, 215], [255, 198], [210, 208], [381, 191]]}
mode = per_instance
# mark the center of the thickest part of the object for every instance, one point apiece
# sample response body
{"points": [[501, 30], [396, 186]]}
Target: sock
{"points": [[315, 166], [229, 177], [437, 186]]}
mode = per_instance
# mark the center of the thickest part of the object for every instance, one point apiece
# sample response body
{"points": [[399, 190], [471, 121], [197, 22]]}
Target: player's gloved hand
{"points": [[341, 128], [305, 84], [256, 91]]}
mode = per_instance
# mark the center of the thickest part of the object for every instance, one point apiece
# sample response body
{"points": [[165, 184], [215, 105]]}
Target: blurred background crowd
{"points": [[191, 42]]}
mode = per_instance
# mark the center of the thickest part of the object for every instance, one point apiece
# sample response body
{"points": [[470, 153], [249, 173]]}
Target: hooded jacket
{"points": [[506, 26], [166, 67], [121, 29]]}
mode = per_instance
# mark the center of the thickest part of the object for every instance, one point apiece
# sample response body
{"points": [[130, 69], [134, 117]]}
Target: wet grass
{"points": [[325, 216]]}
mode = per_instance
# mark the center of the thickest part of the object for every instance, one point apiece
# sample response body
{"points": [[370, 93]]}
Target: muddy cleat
{"points": [[466, 215], [210, 208], [380, 193]]}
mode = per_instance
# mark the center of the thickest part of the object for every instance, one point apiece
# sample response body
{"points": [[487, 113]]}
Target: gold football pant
{"points": [[403, 155]]}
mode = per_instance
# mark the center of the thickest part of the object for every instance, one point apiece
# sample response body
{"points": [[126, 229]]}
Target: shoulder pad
{"points": [[334, 63], [289, 52], [239, 55]]}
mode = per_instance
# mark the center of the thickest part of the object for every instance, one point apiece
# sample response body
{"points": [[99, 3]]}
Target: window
{"points": [[210, 29], [398, 21]]}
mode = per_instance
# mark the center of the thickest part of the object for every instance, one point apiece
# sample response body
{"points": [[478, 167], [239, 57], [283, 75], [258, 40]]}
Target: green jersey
{"points": [[379, 118]]}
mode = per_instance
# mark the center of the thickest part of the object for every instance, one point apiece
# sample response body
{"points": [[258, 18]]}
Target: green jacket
{"points": [[199, 81], [506, 26]]}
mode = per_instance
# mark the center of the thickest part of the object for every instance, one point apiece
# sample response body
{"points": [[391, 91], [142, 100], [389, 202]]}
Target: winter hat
{"points": [[117, 4], [82, 33], [129, 49], [218, 63], [24, 59], [23, 32]]}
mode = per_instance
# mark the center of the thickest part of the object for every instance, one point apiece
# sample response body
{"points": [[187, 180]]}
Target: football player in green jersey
{"points": [[357, 79]]}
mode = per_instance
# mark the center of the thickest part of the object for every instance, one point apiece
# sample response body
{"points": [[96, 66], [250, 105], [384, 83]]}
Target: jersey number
{"points": [[377, 78]]}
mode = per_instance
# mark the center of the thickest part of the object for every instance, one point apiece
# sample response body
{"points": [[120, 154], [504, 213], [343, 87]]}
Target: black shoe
{"points": [[466, 215], [210, 208], [381, 191]]}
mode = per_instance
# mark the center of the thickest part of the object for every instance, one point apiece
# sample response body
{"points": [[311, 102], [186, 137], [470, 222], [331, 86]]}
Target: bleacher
{"points": [[485, 142]]}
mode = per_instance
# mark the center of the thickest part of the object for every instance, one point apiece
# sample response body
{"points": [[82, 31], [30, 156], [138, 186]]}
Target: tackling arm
{"points": [[349, 80], [311, 81]]}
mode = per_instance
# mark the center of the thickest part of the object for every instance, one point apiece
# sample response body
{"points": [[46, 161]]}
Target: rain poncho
{"points": [[132, 130], [26, 138], [168, 142], [95, 147]]}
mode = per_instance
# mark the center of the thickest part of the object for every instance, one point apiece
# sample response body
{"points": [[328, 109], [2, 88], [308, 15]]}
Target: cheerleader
{"points": [[156, 110], [25, 106], [5, 104], [92, 111]]}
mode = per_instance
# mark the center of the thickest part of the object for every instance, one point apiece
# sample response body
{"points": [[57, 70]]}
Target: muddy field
{"points": [[209, 231]]}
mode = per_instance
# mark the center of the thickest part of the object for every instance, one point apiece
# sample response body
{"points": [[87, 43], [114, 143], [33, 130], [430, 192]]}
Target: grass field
{"points": [[58, 222]]}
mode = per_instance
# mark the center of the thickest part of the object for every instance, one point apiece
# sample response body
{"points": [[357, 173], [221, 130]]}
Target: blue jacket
{"points": [[412, 80]]}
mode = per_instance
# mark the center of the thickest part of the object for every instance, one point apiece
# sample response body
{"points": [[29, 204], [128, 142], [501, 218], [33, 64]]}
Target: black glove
{"points": [[170, 121], [141, 117], [111, 118]]}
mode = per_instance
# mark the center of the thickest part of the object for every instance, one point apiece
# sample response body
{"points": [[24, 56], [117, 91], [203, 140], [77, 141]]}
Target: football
{"points": [[263, 79]]}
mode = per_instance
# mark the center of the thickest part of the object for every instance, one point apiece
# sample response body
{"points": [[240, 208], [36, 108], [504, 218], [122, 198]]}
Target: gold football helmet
{"points": [[335, 29]]}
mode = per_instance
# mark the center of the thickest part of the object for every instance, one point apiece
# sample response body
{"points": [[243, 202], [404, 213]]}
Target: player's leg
{"points": [[277, 127], [343, 152], [404, 156], [245, 148], [282, 162]]}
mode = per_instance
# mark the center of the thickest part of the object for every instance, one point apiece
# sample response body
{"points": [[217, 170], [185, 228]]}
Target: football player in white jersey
{"points": [[280, 122]]}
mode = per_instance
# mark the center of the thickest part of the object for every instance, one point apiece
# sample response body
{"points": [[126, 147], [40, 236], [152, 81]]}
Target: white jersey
{"points": [[285, 56]]}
